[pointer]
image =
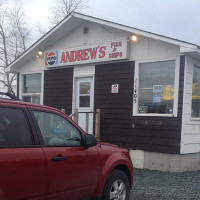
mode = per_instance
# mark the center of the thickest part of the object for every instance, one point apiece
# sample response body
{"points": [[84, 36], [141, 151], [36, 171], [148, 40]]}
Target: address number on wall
{"points": [[135, 93], [135, 96]]}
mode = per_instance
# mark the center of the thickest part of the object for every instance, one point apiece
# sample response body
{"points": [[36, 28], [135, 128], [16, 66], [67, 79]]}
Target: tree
{"points": [[62, 8], [14, 36]]}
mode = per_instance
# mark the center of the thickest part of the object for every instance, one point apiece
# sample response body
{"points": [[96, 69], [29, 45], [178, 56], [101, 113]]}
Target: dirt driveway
{"points": [[153, 185]]}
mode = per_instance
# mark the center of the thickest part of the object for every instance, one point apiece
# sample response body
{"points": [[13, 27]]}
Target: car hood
{"points": [[111, 145], [107, 144]]}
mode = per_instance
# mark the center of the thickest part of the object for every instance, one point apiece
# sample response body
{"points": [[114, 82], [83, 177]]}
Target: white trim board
{"points": [[80, 72], [190, 133]]}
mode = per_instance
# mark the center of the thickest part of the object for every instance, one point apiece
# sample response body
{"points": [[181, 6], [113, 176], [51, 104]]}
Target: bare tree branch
{"points": [[40, 30], [4, 82], [62, 8], [2, 2], [14, 36]]}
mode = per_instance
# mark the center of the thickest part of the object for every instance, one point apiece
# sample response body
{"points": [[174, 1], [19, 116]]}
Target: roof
{"points": [[74, 20]]}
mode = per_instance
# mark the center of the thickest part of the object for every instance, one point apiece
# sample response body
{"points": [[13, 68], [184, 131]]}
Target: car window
{"points": [[14, 128], [56, 130]]}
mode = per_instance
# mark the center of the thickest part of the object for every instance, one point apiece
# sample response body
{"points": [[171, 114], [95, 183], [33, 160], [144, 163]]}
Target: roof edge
{"points": [[41, 39], [107, 23], [136, 30]]}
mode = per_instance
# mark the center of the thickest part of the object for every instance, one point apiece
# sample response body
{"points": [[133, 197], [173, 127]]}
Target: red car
{"points": [[44, 155]]}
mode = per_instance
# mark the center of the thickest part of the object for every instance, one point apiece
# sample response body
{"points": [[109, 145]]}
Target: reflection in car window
{"points": [[56, 130], [13, 128]]}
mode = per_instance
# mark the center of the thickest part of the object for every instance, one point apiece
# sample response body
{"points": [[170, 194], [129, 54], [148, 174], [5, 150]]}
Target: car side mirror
{"points": [[90, 140]]}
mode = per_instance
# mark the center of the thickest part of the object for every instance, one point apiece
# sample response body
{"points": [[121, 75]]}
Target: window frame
{"points": [[76, 94], [84, 95], [22, 94], [31, 110], [136, 87]]}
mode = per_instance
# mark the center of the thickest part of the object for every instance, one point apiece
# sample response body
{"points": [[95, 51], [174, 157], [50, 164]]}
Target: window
{"points": [[155, 89], [56, 130], [32, 88], [14, 130], [196, 92], [84, 94]]}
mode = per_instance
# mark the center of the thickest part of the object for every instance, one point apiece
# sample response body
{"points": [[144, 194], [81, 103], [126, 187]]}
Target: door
{"points": [[72, 168], [22, 164], [85, 103]]}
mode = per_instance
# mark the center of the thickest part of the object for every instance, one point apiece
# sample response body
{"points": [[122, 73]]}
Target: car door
{"points": [[72, 168], [22, 161]]}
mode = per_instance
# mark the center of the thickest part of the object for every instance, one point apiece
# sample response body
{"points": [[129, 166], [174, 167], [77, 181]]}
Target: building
{"points": [[147, 89]]}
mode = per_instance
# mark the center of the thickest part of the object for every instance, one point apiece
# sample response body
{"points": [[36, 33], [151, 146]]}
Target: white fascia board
{"points": [[192, 52], [186, 49], [38, 42], [135, 31]]}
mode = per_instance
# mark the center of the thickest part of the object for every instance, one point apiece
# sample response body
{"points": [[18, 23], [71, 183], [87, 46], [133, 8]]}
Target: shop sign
{"points": [[115, 50], [115, 88]]}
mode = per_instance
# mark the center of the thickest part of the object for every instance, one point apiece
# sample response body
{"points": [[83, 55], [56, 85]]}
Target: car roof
{"points": [[25, 104], [21, 104]]}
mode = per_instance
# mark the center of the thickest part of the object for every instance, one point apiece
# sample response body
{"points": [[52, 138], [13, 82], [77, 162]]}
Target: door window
{"points": [[84, 94], [14, 128], [56, 130]]}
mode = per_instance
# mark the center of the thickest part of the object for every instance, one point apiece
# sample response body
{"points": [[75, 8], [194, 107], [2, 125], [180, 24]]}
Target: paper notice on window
{"points": [[168, 92], [157, 88], [196, 91], [157, 98]]}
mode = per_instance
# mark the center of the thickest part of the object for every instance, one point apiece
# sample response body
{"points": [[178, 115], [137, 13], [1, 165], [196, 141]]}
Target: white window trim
{"points": [[21, 94], [85, 109], [197, 64], [176, 87], [81, 72]]}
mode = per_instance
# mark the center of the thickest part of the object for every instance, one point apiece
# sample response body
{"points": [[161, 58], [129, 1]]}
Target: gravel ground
{"points": [[153, 185]]}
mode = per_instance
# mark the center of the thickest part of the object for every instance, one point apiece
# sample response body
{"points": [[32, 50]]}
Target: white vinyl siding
{"points": [[190, 139]]}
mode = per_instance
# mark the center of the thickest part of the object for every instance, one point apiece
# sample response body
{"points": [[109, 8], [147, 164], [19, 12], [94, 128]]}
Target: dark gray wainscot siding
{"points": [[58, 84], [153, 134]]}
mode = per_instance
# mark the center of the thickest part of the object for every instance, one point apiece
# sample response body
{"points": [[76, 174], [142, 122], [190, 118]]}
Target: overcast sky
{"points": [[173, 18]]}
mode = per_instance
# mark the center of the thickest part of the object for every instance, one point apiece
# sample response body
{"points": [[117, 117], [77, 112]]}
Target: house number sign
{"points": [[135, 92]]}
